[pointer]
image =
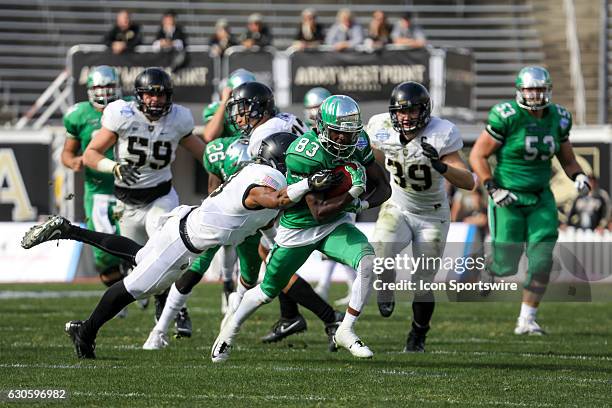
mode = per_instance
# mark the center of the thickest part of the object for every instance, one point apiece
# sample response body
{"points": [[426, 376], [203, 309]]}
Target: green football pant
{"points": [[99, 212], [346, 244], [248, 259], [533, 228]]}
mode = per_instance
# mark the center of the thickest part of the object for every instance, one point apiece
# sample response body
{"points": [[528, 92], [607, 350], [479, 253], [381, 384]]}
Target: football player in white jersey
{"points": [[247, 202], [420, 151], [145, 134]]}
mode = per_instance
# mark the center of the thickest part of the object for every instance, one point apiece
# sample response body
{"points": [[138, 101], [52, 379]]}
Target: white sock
{"points": [[349, 321], [528, 312], [252, 300], [174, 303], [363, 283], [228, 262]]}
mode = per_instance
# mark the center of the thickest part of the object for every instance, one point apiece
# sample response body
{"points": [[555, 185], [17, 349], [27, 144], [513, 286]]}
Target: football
{"points": [[345, 183]]}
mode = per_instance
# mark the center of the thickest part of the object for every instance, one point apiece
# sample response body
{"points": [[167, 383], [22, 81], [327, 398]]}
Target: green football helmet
{"points": [[239, 77], [339, 113], [103, 86], [236, 156], [312, 100], [527, 80]]}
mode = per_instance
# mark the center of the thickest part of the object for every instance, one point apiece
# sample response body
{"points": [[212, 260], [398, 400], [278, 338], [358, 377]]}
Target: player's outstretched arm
{"points": [[102, 140], [267, 197], [194, 145], [485, 146], [378, 187], [214, 128], [457, 171]]}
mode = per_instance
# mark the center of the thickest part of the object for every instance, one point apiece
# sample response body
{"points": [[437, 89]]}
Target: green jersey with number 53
{"points": [[415, 186], [528, 144], [306, 156]]}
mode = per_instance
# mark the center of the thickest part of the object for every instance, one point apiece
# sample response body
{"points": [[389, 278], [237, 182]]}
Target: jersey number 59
{"points": [[162, 152]]}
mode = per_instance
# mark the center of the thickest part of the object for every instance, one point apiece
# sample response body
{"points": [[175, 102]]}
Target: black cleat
{"points": [[415, 342], [285, 328], [56, 227], [83, 348], [386, 308], [183, 324], [330, 330]]}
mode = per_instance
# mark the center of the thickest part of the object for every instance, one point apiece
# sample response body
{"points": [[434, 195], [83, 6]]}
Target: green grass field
{"points": [[473, 358]]}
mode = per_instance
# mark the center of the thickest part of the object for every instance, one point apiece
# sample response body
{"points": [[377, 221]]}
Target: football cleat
{"points": [[415, 342], [183, 324], [330, 330], [157, 340], [220, 350], [386, 308], [285, 328], [83, 348], [56, 227], [346, 337], [528, 326]]}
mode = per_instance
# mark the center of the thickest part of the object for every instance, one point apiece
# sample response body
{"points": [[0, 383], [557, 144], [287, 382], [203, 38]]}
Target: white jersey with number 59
{"points": [[416, 187], [150, 145]]}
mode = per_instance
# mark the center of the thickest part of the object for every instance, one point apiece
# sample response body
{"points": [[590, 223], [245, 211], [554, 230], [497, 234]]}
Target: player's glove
{"points": [[126, 173], [358, 179], [432, 154], [323, 179], [500, 196], [581, 182]]}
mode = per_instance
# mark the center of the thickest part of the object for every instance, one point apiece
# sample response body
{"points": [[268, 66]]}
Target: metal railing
{"points": [[60, 100]]}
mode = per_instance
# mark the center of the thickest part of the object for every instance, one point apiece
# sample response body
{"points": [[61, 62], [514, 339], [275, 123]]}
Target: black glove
{"points": [[323, 179], [432, 154], [126, 173]]}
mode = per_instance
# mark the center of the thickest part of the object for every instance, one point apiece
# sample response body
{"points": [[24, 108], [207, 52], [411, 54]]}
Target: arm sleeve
{"points": [[72, 128], [186, 123]]}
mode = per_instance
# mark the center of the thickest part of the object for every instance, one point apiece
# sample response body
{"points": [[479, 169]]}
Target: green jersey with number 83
{"points": [[528, 144], [306, 156]]}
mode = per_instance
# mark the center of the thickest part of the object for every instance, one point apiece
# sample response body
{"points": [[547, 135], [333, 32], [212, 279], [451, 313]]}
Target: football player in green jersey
{"points": [[216, 121], [323, 224], [81, 121], [524, 135]]}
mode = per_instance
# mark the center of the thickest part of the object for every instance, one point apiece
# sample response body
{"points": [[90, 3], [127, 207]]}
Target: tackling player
{"points": [[317, 223], [81, 121], [420, 151], [145, 134], [244, 204], [524, 134]]}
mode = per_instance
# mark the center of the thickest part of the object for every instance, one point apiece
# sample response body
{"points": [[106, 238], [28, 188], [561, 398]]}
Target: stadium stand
{"points": [[35, 36]]}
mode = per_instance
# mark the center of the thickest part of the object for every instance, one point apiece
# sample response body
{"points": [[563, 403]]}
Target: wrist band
{"points": [[106, 165], [296, 191], [576, 174], [355, 191]]}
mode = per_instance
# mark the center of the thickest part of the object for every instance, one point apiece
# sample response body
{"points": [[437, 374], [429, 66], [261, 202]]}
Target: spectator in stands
{"points": [[125, 35], [345, 33], [379, 32], [222, 39], [591, 211], [172, 39], [257, 34], [169, 35], [407, 34], [309, 33]]}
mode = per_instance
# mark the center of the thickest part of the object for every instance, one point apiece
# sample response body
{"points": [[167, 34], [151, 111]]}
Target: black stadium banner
{"points": [[192, 84], [257, 60], [460, 79], [25, 189], [363, 76]]}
